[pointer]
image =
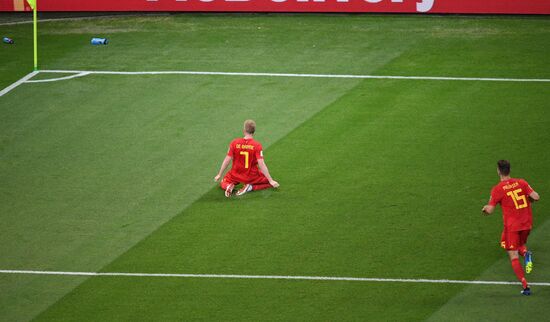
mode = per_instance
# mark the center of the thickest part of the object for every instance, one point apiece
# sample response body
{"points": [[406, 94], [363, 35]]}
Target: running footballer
{"points": [[515, 197], [248, 166]]}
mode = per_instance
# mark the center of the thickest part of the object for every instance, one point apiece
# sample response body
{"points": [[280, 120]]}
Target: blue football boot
{"points": [[528, 262]]}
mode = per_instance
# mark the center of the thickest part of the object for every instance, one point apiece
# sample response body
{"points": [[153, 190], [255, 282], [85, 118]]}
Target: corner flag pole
{"points": [[35, 35], [32, 4]]}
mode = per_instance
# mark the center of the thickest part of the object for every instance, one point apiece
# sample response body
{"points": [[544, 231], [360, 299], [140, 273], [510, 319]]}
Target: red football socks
{"points": [[261, 186], [522, 250], [519, 272]]}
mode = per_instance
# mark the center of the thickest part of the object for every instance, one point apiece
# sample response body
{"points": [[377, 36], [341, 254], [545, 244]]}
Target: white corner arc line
{"points": [[19, 82], [183, 72], [58, 79], [273, 277]]}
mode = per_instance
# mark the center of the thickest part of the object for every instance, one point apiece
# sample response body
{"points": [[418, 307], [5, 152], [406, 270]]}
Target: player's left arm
{"points": [[533, 195]]}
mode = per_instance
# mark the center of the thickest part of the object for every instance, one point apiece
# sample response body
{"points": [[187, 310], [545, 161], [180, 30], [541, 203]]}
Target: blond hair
{"points": [[249, 126]]}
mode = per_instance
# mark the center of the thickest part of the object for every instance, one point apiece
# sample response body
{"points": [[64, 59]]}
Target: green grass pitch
{"points": [[379, 178]]}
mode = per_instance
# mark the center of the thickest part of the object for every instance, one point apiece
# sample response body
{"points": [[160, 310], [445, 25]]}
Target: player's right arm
{"points": [[534, 196], [493, 201], [263, 167], [488, 209]]}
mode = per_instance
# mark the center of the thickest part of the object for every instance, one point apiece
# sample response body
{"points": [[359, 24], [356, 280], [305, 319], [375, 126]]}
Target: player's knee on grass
{"points": [[224, 184], [261, 186]]}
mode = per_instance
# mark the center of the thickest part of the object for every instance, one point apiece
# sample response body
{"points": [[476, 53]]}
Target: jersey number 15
{"points": [[517, 198]]}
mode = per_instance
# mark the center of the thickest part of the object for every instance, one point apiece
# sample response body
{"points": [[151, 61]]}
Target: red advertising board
{"points": [[400, 6]]}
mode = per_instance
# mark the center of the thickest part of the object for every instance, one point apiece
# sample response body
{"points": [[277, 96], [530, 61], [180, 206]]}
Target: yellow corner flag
{"points": [[32, 3]]}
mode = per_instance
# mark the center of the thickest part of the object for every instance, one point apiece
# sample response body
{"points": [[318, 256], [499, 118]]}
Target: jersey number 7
{"points": [[245, 153]]}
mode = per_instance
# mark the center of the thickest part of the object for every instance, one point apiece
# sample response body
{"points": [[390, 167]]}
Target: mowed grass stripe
{"points": [[202, 42], [359, 42], [289, 43], [478, 303], [129, 163], [378, 219], [209, 41]]}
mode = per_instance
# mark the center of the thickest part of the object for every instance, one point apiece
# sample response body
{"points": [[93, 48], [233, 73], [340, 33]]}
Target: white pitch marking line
{"points": [[19, 82], [275, 277], [57, 79], [444, 78], [24, 22]]}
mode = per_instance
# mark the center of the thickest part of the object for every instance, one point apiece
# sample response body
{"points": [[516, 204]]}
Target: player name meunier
{"points": [[245, 146], [510, 186]]}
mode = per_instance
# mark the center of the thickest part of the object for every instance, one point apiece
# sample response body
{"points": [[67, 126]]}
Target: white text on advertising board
{"points": [[421, 5]]}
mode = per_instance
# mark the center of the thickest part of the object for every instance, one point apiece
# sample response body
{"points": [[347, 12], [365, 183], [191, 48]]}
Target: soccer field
{"points": [[381, 178]]}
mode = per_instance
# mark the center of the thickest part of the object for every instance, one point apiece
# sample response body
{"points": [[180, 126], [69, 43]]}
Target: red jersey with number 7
{"points": [[245, 154], [513, 196]]}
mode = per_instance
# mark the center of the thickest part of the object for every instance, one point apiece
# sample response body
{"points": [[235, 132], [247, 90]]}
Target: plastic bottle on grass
{"points": [[7, 40], [99, 41]]}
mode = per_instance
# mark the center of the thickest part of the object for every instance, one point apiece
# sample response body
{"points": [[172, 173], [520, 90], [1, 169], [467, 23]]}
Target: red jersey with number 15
{"points": [[513, 196], [245, 154]]}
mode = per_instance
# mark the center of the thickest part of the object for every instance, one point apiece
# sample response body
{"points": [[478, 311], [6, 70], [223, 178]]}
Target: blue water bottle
{"points": [[7, 40], [100, 41]]}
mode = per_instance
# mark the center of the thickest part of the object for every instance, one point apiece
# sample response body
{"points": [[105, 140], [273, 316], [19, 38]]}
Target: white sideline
{"points": [[19, 82], [272, 277], [441, 78]]}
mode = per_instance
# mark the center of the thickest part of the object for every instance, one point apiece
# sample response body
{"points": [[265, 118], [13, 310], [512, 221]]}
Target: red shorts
{"points": [[260, 179], [513, 240]]}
